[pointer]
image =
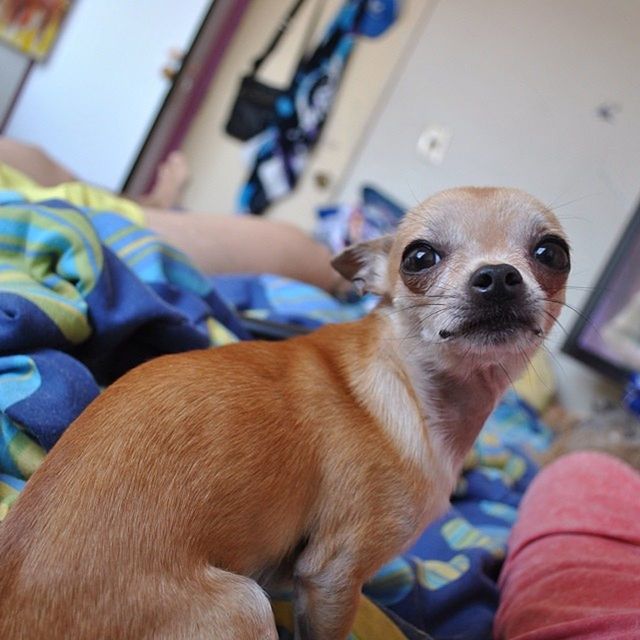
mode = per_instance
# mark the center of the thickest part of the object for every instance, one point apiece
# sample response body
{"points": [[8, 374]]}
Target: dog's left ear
{"points": [[365, 265]]}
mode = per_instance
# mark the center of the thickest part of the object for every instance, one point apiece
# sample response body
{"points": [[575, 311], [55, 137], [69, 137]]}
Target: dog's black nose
{"points": [[496, 283]]}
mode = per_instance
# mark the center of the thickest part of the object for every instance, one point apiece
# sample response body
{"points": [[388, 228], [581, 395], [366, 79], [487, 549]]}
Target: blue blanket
{"points": [[86, 295]]}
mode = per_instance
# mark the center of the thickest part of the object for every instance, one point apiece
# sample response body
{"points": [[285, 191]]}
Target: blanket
{"points": [[85, 295]]}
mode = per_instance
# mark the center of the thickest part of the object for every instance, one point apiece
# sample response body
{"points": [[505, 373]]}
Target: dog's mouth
{"points": [[497, 328]]}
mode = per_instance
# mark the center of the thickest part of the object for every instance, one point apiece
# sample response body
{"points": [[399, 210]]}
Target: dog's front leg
{"points": [[326, 595]]}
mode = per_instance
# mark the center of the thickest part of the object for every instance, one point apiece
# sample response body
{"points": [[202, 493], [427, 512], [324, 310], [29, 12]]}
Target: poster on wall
{"points": [[32, 26]]}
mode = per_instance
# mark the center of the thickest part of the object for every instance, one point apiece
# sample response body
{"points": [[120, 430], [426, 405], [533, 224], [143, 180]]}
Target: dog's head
{"points": [[473, 271]]}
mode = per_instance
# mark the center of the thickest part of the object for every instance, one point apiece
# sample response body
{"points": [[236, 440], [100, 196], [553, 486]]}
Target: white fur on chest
{"points": [[382, 386]]}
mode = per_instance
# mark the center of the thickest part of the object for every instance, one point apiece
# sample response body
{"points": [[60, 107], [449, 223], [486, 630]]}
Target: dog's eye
{"points": [[419, 256], [553, 253]]}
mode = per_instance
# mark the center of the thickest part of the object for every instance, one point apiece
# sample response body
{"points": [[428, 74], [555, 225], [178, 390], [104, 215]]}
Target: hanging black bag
{"points": [[254, 107]]}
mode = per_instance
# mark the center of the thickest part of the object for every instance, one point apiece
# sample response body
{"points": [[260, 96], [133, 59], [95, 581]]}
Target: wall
{"points": [[518, 83], [217, 161], [13, 66]]}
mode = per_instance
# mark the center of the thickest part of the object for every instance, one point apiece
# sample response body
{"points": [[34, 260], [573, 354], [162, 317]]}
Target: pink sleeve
{"points": [[573, 566]]}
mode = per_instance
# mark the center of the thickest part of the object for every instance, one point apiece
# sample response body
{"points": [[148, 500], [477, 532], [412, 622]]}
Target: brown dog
{"points": [[197, 477]]}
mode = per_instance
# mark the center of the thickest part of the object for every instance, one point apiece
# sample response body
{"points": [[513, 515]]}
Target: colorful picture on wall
{"points": [[32, 26]]}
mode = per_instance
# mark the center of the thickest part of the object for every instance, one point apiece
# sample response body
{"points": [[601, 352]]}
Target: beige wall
{"points": [[518, 83], [217, 159]]}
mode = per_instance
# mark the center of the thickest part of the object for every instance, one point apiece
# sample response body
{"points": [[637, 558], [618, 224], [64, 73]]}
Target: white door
{"points": [[93, 101]]}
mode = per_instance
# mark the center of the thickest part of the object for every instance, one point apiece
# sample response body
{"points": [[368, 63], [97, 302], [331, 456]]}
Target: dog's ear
{"points": [[365, 265]]}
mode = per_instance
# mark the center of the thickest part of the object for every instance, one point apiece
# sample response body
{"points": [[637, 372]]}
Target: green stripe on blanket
{"points": [[53, 259]]}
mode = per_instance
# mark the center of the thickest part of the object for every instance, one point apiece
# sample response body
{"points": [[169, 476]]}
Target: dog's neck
{"points": [[428, 404], [458, 405]]}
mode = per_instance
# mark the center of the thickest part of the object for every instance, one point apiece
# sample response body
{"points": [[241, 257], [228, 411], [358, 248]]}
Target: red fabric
{"points": [[573, 566]]}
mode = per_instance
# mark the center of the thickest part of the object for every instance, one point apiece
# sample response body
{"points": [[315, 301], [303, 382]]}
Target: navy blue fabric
{"points": [[134, 322], [67, 388], [23, 326]]}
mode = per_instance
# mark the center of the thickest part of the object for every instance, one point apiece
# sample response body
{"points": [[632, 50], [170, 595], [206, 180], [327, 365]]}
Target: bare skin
{"points": [[215, 243], [171, 178], [34, 163], [225, 244]]}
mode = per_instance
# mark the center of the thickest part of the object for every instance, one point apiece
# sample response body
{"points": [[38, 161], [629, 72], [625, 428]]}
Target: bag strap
{"points": [[305, 45], [258, 62]]}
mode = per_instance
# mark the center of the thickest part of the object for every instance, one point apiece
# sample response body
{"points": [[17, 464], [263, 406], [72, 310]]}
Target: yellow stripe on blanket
{"points": [[26, 454], [219, 335], [8, 495], [78, 194], [52, 258], [370, 623]]}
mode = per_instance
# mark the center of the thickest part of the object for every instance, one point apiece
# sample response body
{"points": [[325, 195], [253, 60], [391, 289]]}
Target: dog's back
{"points": [[186, 439]]}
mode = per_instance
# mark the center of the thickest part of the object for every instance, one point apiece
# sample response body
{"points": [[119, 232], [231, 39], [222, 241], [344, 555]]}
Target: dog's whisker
{"points": [[506, 373], [555, 358], [567, 203], [532, 367], [579, 313], [556, 322]]}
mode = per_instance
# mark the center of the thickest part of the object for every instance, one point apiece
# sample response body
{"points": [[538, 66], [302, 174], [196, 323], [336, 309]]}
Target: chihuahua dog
{"points": [[197, 480]]}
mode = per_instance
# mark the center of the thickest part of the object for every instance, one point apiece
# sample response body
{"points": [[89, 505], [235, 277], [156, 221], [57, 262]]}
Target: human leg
{"points": [[34, 162], [228, 244], [573, 566]]}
